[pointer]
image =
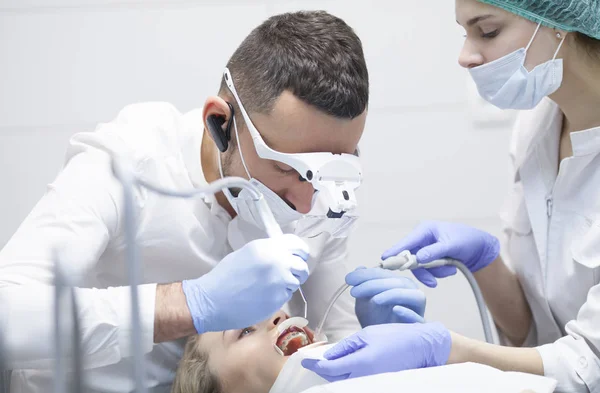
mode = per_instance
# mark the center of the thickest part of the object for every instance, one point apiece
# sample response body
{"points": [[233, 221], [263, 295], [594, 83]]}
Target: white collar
{"points": [[191, 143]]}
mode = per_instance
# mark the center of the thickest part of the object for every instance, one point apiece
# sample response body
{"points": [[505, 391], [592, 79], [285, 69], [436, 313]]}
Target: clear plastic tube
{"points": [[334, 298]]}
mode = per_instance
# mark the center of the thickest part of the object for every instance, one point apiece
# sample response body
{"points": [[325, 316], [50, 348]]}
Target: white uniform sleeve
{"points": [[78, 216], [574, 360], [328, 276], [513, 216]]}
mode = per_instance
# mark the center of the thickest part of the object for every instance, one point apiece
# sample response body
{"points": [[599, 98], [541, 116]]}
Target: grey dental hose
{"points": [[406, 261], [125, 173]]}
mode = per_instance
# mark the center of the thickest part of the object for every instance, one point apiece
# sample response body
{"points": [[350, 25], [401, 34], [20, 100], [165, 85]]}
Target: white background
{"points": [[431, 149]]}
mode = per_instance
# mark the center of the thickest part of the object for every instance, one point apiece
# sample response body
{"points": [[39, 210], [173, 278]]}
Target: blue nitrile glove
{"points": [[248, 285], [433, 240], [383, 349], [383, 296]]}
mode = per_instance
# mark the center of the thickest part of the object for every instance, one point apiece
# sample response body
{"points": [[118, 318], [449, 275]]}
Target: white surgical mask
{"points": [[245, 207], [507, 84]]}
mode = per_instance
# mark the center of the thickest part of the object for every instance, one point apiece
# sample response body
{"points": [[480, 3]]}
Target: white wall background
{"points": [[431, 150]]}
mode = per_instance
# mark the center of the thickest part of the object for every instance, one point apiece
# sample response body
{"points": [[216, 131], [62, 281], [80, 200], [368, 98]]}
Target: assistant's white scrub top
{"points": [[552, 223], [81, 213]]}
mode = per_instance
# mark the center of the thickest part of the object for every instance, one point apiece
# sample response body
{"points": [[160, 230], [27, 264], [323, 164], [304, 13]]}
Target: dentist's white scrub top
{"points": [[82, 214], [553, 244]]}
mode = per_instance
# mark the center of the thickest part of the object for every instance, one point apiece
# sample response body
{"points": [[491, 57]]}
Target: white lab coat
{"points": [[552, 223], [81, 214]]}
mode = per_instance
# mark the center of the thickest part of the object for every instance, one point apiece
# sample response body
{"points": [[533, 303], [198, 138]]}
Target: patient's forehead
{"points": [[209, 341], [210, 345], [222, 358]]}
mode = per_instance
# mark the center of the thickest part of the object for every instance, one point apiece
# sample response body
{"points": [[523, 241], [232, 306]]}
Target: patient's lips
{"points": [[294, 335]]}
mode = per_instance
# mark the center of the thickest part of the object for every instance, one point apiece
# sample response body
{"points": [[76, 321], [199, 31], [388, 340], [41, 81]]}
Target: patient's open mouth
{"points": [[294, 337], [292, 340]]}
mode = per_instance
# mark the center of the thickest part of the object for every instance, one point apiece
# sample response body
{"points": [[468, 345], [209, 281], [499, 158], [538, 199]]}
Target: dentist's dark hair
{"points": [[313, 54]]}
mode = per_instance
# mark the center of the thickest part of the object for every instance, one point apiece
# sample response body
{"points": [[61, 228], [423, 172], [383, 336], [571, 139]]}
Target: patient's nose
{"points": [[278, 318]]}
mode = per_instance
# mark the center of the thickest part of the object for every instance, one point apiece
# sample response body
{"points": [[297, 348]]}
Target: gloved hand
{"points": [[383, 296], [433, 240], [384, 348], [248, 285]]}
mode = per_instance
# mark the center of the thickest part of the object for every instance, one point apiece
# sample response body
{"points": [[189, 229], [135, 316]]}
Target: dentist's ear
{"points": [[218, 112]]}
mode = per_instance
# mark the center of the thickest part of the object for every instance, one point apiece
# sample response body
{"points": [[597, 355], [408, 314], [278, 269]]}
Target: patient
{"points": [[239, 361]]}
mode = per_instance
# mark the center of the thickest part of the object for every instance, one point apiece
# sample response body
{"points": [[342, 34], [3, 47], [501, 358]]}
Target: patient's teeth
{"points": [[291, 340]]}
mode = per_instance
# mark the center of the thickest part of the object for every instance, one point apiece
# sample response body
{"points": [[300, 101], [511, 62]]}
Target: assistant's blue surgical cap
{"points": [[570, 15]]}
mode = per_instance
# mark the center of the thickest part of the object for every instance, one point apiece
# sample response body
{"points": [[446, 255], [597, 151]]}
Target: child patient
{"points": [[247, 360]]}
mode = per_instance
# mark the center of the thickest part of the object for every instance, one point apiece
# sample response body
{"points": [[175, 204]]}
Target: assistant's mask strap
{"points": [[237, 137], [533, 38], [559, 46]]}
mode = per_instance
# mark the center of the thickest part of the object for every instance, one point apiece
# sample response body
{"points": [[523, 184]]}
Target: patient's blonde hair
{"points": [[193, 373]]}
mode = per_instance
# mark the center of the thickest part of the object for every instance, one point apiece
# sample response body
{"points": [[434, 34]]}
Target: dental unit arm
{"points": [[4, 372], [407, 261]]}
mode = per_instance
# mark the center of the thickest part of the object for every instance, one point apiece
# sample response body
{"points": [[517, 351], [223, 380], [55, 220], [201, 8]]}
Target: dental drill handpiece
{"points": [[273, 230], [407, 261], [402, 261]]}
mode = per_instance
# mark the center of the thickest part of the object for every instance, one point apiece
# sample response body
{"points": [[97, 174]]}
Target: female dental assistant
{"points": [[542, 56]]}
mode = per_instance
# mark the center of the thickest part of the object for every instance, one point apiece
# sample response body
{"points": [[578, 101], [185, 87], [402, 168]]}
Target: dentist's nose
{"points": [[301, 196]]}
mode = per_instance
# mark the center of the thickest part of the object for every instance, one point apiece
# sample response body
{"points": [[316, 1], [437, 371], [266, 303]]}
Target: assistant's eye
{"points": [[491, 34], [246, 331]]}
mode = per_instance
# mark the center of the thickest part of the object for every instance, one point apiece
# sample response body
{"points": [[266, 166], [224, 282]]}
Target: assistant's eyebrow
{"points": [[477, 19]]}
